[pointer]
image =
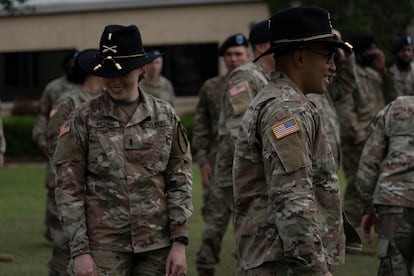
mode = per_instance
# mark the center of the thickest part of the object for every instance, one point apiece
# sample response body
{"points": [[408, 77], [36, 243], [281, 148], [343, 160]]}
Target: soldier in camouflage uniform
{"points": [[123, 170], [286, 193], [3, 256], [87, 87], [156, 84], [375, 87], [385, 181], [241, 86], [235, 52], [50, 95], [403, 69]]}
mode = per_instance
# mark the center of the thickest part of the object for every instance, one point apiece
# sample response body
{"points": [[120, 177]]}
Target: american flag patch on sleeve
{"points": [[285, 128], [237, 89], [65, 128]]}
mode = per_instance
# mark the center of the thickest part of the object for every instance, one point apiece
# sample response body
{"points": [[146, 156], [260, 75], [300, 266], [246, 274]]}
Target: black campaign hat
{"points": [[362, 42], [120, 52], [294, 27], [233, 40]]}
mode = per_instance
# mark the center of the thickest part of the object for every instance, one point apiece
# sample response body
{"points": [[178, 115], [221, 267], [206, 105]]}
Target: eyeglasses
{"points": [[330, 55]]}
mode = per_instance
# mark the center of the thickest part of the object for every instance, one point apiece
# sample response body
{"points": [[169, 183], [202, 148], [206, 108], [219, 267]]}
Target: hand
{"points": [[1, 162], [84, 265], [367, 221], [176, 262], [327, 274], [379, 62], [206, 172]]}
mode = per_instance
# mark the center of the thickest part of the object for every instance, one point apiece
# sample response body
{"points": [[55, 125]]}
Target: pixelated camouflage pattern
{"points": [[161, 88], [330, 122], [2, 138], [123, 183], [253, 77], [385, 175], [286, 192], [405, 80], [205, 135], [50, 95]]}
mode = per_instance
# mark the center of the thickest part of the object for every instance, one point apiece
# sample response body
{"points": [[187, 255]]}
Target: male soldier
{"points": [[241, 86], [50, 95], [3, 256], [385, 181], [87, 86], [235, 52], [286, 193], [403, 69], [374, 88], [156, 84]]}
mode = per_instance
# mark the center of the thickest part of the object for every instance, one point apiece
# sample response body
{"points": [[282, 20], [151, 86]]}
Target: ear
{"points": [[298, 58]]}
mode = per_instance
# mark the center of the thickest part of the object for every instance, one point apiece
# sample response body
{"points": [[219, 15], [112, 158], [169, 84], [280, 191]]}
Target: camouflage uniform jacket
{"points": [[286, 192], [123, 184], [50, 95], [241, 87], [2, 138], [330, 122], [205, 138], [404, 79], [60, 113], [161, 88], [370, 95], [386, 174]]}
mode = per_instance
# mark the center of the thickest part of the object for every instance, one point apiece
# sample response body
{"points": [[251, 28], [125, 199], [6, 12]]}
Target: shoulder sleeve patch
{"points": [[285, 128], [237, 89], [64, 129]]}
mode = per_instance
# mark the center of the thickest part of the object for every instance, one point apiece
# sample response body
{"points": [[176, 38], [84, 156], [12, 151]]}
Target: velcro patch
{"points": [[285, 128], [237, 89], [65, 128]]}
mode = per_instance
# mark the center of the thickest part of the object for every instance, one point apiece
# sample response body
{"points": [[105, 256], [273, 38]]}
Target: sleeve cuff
{"points": [[178, 231]]}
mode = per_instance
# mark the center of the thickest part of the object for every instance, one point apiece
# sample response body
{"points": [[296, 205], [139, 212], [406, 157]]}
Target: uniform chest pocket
{"points": [[149, 146]]}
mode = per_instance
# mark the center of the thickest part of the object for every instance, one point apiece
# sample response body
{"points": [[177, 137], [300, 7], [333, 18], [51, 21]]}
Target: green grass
{"points": [[22, 201]]}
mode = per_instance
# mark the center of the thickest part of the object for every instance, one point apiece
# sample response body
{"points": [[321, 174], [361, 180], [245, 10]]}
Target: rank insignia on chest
{"points": [[285, 128], [237, 89], [65, 128]]}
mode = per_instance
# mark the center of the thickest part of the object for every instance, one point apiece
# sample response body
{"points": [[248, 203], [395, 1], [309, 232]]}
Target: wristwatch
{"points": [[181, 239]]}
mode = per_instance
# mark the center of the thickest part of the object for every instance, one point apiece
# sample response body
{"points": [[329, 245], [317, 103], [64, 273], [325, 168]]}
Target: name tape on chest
{"points": [[65, 128], [237, 89], [285, 128]]}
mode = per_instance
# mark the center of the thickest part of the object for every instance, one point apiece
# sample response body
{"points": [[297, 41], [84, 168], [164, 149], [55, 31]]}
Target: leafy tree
{"points": [[384, 19], [10, 6]]}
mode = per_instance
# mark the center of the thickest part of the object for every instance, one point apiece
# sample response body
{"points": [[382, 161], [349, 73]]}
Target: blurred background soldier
{"points": [[385, 181], [156, 84], [50, 95], [87, 86], [403, 68], [241, 87], [375, 87], [3, 256], [235, 53]]}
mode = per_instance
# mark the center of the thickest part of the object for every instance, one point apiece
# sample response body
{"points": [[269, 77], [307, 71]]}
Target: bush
{"points": [[18, 133], [188, 123]]}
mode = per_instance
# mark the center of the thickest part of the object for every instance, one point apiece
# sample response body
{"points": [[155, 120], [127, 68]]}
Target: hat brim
{"points": [[286, 46], [92, 63]]}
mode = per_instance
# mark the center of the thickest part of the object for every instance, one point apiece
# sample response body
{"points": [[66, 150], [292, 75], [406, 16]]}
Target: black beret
{"points": [[362, 42], [233, 40], [401, 41], [260, 33]]}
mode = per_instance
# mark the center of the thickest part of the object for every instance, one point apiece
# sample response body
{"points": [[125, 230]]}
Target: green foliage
{"points": [[18, 133], [384, 19], [188, 123]]}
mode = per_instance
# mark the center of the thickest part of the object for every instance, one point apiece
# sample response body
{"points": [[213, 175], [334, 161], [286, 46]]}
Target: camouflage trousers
{"points": [[148, 263], [59, 262], [352, 197], [396, 240], [275, 269], [216, 211]]}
